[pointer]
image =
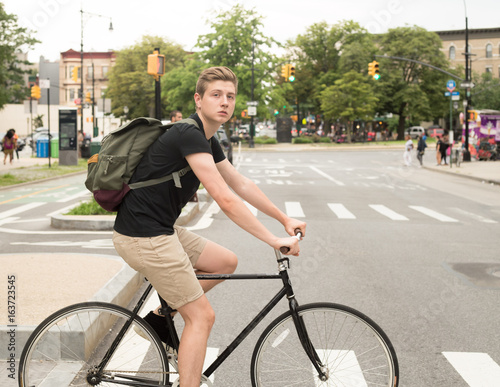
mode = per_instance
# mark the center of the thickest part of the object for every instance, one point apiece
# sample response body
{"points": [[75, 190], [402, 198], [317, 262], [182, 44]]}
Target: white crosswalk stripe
{"points": [[477, 369], [294, 210], [20, 209], [388, 212], [341, 211], [433, 214], [474, 216]]}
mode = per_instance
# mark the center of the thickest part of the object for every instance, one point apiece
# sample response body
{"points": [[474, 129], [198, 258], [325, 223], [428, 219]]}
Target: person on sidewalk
{"points": [[443, 148], [421, 148], [9, 145], [170, 256], [408, 148]]}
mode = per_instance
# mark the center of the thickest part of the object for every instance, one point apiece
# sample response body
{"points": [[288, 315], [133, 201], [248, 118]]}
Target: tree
{"points": [[129, 83], [409, 89], [323, 54], [350, 98], [236, 42], [486, 93], [13, 40]]}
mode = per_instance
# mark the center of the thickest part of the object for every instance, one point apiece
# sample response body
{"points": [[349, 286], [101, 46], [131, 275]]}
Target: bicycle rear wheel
{"points": [[65, 349], [352, 348]]}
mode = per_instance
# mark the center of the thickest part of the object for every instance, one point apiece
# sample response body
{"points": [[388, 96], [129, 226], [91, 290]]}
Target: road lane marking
{"points": [[207, 218], [341, 211], [20, 209], [477, 369], [34, 193], [252, 209], [433, 214], [75, 196], [294, 210], [326, 176], [474, 216], [381, 209]]}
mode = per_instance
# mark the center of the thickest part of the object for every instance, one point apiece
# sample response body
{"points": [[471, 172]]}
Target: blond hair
{"points": [[215, 74]]}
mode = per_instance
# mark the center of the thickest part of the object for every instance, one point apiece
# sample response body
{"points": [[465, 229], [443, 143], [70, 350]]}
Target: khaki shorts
{"points": [[167, 261]]}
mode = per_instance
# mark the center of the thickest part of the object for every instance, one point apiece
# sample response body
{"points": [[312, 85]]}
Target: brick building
{"points": [[102, 63], [484, 45]]}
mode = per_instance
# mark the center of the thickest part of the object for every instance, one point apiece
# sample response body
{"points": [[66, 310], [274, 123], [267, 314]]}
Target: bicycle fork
{"points": [[298, 321]]}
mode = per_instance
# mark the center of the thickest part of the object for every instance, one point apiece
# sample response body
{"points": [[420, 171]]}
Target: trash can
{"points": [[95, 147], [54, 148], [42, 147]]}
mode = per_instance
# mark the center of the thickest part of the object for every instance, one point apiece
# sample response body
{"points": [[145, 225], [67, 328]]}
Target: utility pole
{"points": [[252, 127], [467, 90]]}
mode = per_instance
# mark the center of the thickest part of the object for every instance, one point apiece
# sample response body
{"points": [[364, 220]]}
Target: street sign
{"points": [[455, 97], [252, 110], [252, 103], [467, 85], [454, 94], [44, 83], [450, 85]]}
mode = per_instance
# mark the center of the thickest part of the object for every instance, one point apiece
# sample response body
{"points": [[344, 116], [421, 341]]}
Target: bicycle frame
{"points": [[286, 290]]}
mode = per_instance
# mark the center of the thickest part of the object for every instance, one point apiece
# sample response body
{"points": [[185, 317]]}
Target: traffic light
{"points": [[285, 71], [244, 113], [156, 64], [376, 71], [276, 112], [472, 115], [36, 92], [74, 73], [291, 73], [371, 69], [88, 99]]}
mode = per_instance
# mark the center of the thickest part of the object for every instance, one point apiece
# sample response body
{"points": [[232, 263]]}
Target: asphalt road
{"points": [[415, 250]]}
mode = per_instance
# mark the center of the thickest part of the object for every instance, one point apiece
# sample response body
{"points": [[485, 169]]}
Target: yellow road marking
{"points": [[34, 193]]}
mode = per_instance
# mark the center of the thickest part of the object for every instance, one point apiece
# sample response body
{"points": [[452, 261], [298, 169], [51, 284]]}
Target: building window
{"points": [[488, 69], [90, 70], [452, 53], [104, 71], [71, 95], [489, 50]]}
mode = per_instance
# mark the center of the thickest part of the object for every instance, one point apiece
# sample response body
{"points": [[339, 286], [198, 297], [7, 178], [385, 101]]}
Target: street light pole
{"points": [[82, 12], [467, 89]]}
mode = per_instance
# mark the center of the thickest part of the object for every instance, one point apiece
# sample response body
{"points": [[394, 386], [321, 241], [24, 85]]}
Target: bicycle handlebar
{"points": [[298, 235]]}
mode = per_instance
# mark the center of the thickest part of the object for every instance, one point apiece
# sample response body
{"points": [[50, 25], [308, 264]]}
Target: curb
{"points": [[119, 290], [107, 222], [481, 179]]}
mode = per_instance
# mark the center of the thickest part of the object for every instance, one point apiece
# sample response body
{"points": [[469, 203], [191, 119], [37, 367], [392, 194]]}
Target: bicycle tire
{"points": [[354, 349], [64, 349]]}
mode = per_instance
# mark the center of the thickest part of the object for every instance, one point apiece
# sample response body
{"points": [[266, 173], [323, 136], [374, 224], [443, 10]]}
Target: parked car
{"points": [[435, 132], [415, 131], [225, 144]]}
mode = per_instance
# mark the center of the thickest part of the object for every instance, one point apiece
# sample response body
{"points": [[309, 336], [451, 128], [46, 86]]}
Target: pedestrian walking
{"points": [[408, 149], [9, 145], [421, 148]]}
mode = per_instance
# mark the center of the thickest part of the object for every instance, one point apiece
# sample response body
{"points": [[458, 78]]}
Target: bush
{"points": [[302, 140], [89, 208], [264, 140]]}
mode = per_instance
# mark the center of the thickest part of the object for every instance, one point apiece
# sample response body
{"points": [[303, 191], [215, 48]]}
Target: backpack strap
{"points": [[176, 176]]}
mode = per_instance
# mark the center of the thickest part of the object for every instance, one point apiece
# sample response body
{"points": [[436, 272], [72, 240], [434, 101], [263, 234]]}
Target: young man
{"points": [[175, 115], [170, 256]]}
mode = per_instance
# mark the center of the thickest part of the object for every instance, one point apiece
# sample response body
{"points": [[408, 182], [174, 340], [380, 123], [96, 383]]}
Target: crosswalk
{"points": [[342, 211]]}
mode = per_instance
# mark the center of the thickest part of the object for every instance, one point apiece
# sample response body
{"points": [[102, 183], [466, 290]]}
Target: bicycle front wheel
{"points": [[354, 351], [66, 348]]}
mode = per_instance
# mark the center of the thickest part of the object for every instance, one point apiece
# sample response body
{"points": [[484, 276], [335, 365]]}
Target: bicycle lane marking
{"points": [[34, 193], [477, 369], [327, 176], [17, 210]]}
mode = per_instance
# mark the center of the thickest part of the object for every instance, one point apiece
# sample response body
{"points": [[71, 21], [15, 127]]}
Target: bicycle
{"points": [[317, 344]]}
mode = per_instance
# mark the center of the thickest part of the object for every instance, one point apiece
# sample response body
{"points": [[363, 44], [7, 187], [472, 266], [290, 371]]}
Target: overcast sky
{"points": [[58, 22]]}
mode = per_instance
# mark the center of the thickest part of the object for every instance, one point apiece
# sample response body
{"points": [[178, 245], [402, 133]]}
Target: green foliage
{"points": [[129, 83], [13, 40], [38, 121], [89, 208], [408, 88], [486, 94], [264, 140], [302, 140], [237, 40]]}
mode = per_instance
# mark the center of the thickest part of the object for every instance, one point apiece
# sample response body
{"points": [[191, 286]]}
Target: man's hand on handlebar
{"points": [[294, 225], [288, 246]]}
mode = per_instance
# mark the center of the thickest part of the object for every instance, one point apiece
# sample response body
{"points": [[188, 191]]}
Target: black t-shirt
{"points": [[153, 210]]}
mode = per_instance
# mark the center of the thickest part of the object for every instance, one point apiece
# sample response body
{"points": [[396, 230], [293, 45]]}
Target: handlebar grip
{"points": [[298, 235]]}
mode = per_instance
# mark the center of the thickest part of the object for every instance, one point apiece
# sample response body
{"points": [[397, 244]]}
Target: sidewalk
{"points": [[487, 171]]}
